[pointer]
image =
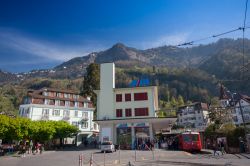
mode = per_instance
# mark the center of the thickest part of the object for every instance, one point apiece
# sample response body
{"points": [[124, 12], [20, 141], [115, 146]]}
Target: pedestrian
{"points": [[30, 146], [215, 148], [222, 146], [23, 150], [41, 148]]}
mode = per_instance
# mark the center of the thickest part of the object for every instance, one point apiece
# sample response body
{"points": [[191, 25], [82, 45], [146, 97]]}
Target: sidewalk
{"points": [[26, 155]]}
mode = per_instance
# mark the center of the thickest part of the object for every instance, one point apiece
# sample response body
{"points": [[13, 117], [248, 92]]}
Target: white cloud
{"points": [[42, 48], [169, 39]]}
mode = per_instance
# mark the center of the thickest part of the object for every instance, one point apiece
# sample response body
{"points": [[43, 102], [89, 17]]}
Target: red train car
{"points": [[189, 141]]}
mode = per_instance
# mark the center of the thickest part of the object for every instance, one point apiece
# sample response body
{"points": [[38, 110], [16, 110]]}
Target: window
{"points": [[76, 113], [118, 97], [186, 138], [85, 115], [140, 96], [56, 112], [58, 94], [76, 104], [66, 95], [45, 93], [45, 112], [84, 125], [66, 113], [128, 112], [118, 112], [67, 103], [127, 97], [74, 123], [46, 101], [141, 111], [85, 105], [57, 102]]}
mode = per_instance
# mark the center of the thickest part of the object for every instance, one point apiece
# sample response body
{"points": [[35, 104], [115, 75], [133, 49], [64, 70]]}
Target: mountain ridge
{"points": [[204, 57]]}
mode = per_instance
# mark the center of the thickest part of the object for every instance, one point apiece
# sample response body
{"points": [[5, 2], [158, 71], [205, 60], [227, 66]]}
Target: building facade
{"points": [[237, 115], [126, 114], [193, 116], [56, 105]]}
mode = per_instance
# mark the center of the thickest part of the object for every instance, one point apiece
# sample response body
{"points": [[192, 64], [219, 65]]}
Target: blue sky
{"points": [[37, 34]]}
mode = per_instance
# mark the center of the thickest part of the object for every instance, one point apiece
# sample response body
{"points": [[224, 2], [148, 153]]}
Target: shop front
{"points": [[124, 135], [132, 133]]}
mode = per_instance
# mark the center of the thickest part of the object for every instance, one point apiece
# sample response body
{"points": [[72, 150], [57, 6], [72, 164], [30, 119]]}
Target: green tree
{"points": [[173, 102], [4, 126], [63, 130], [6, 106], [91, 81], [180, 101]]}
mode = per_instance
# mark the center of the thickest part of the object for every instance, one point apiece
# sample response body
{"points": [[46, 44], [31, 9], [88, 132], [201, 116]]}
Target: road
{"points": [[70, 157]]}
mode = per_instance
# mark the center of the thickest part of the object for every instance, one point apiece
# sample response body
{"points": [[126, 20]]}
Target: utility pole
{"points": [[242, 115]]}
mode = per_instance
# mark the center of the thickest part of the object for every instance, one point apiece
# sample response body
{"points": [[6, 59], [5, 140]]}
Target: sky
{"points": [[39, 34]]}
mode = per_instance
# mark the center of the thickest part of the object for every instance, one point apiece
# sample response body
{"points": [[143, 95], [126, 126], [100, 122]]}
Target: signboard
{"points": [[139, 83], [106, 134], [123, 125], [141, 124]]}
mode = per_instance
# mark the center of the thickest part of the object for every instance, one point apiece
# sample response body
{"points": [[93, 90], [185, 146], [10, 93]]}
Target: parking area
{"points": [[70, 157]]}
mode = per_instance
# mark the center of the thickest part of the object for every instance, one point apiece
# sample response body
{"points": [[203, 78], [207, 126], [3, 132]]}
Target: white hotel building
{"points": [[56, 105], [125, 114]]}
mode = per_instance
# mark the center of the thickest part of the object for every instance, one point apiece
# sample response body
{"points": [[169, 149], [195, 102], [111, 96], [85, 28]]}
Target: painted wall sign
{"points": [[141, 124], [123, 125], [139, 83]]}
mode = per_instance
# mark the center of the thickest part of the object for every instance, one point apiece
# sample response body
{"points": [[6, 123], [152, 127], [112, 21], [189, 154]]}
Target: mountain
{"points": [[6, 77], [222, 59]]}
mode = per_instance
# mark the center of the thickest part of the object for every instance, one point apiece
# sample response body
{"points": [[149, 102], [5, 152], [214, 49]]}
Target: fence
{"points": [[129, 158]]}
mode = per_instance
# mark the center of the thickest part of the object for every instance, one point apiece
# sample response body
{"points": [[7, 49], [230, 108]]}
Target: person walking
{"points": [[30, 147], [222, 146], [215, 148]]}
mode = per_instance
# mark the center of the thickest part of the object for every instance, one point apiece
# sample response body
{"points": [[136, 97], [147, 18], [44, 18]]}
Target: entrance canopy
{"points": [[158, 124]]}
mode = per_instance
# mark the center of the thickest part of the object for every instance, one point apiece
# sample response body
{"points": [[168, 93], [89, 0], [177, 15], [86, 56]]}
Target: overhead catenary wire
{"points": [[243, 40], [212, 36]]}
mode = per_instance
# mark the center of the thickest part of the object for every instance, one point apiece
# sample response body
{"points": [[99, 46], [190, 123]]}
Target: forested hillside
{"points": [[192, 74]]}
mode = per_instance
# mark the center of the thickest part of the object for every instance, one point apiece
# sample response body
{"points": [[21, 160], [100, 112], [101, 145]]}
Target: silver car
{"points": [[108, 147]]}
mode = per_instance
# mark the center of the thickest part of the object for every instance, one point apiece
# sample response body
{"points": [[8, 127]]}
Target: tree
{"points": [[91, 81], [63, 130], [173, 102], [6, 106], [4, 126], [180, 101]]}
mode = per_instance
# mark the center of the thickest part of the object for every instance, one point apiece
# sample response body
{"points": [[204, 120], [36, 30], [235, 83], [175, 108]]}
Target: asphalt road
{"points": [[70, 157]]}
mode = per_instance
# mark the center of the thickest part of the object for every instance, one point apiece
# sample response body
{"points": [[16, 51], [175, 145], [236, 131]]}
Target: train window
{"points": [[195, 137], [186, 138]]}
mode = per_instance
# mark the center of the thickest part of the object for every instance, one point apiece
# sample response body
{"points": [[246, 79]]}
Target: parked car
{"points": [[107, 147]]}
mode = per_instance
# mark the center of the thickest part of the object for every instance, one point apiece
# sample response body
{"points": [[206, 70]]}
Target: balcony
{"points": [[85, 118]]}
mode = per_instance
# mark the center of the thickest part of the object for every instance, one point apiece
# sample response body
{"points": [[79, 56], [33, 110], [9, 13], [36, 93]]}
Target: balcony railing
{"points": [[85, 118]]}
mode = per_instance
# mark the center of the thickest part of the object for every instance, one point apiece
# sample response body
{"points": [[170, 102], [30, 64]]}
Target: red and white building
{"points": [[125, 114], [56, 105]]}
